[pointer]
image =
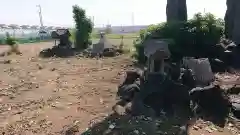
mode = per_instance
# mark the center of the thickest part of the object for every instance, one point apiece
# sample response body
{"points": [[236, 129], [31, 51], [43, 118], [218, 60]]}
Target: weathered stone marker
{"points": [[101, 45], [156, 51]]}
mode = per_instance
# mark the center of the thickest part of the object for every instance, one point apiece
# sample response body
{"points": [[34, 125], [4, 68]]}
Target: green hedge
{"points": [[196, 37]]}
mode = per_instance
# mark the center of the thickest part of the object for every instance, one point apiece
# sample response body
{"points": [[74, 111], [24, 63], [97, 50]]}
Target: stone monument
{"points": [[156, 51], [101, 45], [63, 36]]}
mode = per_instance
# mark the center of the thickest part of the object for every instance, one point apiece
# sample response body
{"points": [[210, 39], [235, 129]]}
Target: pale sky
{"points": [[59, 12]]}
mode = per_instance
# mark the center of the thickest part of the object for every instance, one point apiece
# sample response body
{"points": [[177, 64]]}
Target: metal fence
{"points": [[25, 36]]}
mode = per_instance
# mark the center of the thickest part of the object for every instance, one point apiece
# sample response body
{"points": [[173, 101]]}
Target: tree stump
{"points": [[201, 69]]}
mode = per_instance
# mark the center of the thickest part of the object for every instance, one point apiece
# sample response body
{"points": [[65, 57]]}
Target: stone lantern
{"points": [[156, 51]]}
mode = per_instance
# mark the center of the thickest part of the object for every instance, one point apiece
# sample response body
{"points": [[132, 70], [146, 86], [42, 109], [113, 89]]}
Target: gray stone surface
{"points": [[156, 46], [101, 45]]}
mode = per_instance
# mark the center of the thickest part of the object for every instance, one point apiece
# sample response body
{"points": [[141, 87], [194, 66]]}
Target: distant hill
{"points": [[123, 29]]}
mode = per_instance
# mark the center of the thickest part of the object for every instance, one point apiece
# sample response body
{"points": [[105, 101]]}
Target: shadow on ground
{"points": [[139, 125], [164, 124]]}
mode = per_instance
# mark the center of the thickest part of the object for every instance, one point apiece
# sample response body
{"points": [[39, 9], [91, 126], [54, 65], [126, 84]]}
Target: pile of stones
{"points": [[103, 48], [160, 93]]}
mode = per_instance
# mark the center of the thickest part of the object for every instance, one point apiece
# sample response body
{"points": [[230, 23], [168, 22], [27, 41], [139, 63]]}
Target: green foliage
{"points": [[73, 34], [139, 53], [196, 37], [84, 27], [10, 40]]}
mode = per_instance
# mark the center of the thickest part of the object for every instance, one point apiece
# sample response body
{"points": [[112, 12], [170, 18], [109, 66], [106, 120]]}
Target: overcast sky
{"points": [[115, 12]]}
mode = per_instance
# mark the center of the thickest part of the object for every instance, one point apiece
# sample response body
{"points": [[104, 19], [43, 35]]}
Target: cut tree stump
{"points": [[201, 69]]}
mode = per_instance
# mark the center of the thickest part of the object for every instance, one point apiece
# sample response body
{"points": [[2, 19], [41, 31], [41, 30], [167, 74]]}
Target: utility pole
{"points": [[41, 21], [132, 19], [40, 15], [133, 22], [122, 30], [93, 20]]}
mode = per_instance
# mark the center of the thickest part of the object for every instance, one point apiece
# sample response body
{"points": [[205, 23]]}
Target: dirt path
{"points": [[43, 95], [56, 96]]}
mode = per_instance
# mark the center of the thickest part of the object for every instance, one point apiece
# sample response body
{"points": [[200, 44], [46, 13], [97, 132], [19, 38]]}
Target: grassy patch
{"points": [[117, 36], [115, 39], [127, 42]]}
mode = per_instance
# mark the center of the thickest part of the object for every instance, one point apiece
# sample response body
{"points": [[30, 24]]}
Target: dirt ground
{"points": [[67, 96]]}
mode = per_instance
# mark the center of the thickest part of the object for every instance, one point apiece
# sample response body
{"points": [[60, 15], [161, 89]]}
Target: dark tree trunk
{"points": [[232, 21], [176, 10]]}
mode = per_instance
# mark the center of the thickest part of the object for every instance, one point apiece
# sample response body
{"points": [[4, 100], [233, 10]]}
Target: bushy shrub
{"points": [[139, 51], [73, 34], [84, 27], [10, 40], [196, 37]]}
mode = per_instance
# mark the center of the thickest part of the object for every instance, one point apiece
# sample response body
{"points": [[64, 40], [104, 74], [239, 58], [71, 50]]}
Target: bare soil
{"points": [[67, 96]]}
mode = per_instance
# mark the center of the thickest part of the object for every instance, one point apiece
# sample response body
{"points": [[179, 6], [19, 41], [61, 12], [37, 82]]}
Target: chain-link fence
{"points": [[25, 36]]}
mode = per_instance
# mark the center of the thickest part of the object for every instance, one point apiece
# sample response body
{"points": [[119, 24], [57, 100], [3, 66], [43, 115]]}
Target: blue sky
{"points": [[59, 12]]}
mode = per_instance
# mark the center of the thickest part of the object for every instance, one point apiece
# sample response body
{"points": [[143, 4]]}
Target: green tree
{"points": [[10, 40], [84, 27]]}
